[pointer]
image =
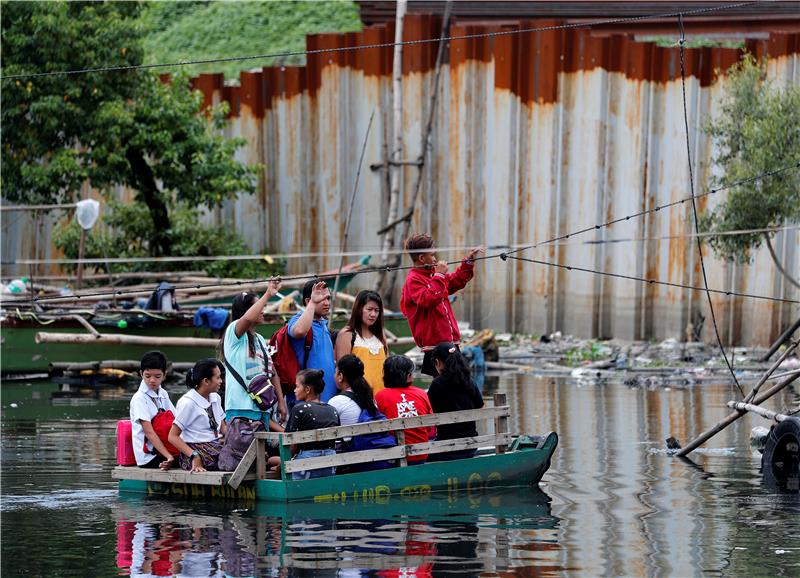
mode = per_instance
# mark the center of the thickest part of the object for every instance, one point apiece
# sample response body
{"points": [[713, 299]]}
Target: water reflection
{"points": [[467, 534], [613, 502]]}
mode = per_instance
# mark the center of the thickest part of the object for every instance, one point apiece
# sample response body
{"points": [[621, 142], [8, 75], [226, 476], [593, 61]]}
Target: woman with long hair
{"points": [[245, 355], [199, 424], [453, 390], [363, 336]]}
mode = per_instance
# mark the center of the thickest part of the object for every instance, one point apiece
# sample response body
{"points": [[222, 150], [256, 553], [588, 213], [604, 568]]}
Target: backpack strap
{"points": [[307, 346], [267, 359], [233, 372], [350, 395]]}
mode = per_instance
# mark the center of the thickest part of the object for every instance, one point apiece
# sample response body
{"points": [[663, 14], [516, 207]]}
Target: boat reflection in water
{"points": [[419, 535]]}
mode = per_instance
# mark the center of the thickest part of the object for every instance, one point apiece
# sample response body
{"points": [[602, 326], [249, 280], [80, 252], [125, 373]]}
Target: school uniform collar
{"points": [[198, 399], [149, 392]]}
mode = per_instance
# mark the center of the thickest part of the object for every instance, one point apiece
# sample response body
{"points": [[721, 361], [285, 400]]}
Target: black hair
{"points": [[153, 360], [355, 322], [308, 288], [313, 378], [396, 370], [203, 369], [241, 303], [455, 370], [352, 369]]}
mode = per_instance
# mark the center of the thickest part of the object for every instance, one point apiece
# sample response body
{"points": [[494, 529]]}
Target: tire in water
{"points": [[780, 463]]}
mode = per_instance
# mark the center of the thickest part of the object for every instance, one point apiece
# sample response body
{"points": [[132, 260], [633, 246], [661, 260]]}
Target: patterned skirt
{"points": [[209, 455]]}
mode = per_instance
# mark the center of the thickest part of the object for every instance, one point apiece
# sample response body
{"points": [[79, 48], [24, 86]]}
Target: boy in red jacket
{"points": [[424, 300]]}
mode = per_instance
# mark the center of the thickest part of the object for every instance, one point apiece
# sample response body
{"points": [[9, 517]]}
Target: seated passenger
{"points": [[199, 420], [151, 406], [356, 405], [400, 398], [309, 414], [453, 390]]}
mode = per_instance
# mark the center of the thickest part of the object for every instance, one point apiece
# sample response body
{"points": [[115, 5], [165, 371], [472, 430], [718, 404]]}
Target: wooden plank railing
{"points": [[257, 450]]}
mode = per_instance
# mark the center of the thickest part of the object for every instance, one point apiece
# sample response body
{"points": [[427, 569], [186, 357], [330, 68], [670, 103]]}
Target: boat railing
{"points": [[257, 450]]}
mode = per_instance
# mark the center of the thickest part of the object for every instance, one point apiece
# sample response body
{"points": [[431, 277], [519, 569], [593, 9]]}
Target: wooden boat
{"points": [[513, 461]]}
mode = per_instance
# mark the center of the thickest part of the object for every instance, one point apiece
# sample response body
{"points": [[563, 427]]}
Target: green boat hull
{"points": [[522, 467], [21, 353]]}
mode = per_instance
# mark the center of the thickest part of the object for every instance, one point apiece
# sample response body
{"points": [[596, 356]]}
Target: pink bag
{"points": [[125, 455]]}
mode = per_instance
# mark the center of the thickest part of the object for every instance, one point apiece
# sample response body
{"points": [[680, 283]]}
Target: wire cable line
{"points": [[681, 43], [696, 12]]}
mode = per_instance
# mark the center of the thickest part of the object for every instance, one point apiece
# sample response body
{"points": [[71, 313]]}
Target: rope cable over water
{"points": [[569, 26], [681, 43]]}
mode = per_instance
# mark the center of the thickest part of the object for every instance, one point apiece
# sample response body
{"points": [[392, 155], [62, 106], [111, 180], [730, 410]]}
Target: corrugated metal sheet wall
{"points": [[536, 135]]}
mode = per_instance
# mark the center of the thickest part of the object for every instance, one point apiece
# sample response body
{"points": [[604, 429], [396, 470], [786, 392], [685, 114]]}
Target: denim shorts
{"points": [[319, 473]]}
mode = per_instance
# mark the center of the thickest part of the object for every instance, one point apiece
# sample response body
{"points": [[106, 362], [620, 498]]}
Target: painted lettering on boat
{"points": [[199, 491], [381, 494]]}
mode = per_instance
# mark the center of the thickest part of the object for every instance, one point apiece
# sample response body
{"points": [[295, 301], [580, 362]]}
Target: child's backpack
{"points": [[372, 441], [283, 358]]}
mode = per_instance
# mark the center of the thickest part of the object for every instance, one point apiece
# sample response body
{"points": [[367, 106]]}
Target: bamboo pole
{"points": [[120, 339], [757, 410], [395, 171], [770, 371], [732, 417]]}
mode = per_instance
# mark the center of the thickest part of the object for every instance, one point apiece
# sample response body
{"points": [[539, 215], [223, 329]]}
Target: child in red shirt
{"points": [[424, 300], [400, 398]]}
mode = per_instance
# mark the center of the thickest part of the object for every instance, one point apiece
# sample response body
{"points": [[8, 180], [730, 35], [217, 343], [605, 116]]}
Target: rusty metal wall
{"points": [[536, 135]]}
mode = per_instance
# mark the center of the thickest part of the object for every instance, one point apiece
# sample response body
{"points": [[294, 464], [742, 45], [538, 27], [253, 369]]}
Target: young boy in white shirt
{"points": [[151, 402]]}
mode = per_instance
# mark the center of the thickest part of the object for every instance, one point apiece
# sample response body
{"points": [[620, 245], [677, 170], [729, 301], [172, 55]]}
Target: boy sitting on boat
{"points": [[151, 408], [424, 299]]}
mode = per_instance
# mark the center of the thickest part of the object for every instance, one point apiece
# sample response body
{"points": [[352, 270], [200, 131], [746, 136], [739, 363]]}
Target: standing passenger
{"points": [[401, 398], [424, 300], [151, 404], [453, 390], [199, 420], [317, 301], [245, 352], [363, 337], [309, 414]]}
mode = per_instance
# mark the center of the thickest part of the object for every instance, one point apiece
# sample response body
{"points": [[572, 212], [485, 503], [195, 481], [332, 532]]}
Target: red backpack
{"points": [[284, 359]]}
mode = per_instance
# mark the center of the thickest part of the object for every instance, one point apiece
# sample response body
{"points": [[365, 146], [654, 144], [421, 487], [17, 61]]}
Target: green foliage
{"points": [[112, 129], [757, 130], [592, 351], [196, 30], [126, 232]]}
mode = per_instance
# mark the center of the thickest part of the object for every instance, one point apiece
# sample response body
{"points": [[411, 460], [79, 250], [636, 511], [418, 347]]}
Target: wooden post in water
{"points": [[732, 417], [501, 422]]}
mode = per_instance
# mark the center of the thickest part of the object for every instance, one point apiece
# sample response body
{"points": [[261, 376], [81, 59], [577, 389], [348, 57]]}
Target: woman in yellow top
{"points": [[363, 337]]}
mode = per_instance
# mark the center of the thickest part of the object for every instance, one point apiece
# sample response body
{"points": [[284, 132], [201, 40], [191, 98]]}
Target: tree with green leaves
{"points": [[120, 128], [756, 131]]}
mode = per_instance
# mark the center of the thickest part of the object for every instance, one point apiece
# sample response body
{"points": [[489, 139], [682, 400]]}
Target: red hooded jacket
{"points": [[424, 302]]}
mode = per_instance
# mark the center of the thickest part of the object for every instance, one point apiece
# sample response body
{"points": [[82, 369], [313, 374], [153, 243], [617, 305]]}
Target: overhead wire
{"points": [[681, 43], [568, 26]]}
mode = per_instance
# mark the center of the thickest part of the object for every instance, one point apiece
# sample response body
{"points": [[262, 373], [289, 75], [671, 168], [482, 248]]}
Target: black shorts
{"points": [[155, 462]]}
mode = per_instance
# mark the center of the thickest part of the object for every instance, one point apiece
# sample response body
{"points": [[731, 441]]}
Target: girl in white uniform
{"points": [[199, 424]]}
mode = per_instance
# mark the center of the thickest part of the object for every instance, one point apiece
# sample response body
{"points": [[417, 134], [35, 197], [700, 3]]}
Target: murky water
{"points": [[613, 503]]}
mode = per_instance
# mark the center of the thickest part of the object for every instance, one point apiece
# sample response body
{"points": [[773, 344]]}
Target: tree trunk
{"points": [[778, 264], [148, 189]]}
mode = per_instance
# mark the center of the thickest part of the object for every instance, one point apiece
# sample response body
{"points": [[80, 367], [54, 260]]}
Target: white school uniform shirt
{"points": [[191, 416], [145, 404], [348, 409]]}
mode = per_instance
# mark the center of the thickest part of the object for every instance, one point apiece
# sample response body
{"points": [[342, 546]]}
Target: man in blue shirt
{"points": [[317, 300]]}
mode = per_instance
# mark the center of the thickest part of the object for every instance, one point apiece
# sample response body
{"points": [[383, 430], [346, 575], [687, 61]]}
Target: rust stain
{"points": [[251, 94]]}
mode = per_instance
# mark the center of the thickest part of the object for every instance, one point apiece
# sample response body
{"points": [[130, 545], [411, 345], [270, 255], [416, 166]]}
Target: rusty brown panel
{"points": [[207, 84], [251, 93], [720, 60], [584, 52], [550, 46], [350, 56], [270, 85], [757, 48], [417, 57], [505, 61], [783, 44], [458, 47], [293, 81], [230, 94], [374, 61], [316, 62]]}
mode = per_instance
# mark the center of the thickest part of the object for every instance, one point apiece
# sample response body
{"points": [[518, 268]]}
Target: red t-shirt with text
{"points": [[407, 402]]}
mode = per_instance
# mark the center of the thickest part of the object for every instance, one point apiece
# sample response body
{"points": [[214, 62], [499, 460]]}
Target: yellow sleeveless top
{"points": [[372, 354]]}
